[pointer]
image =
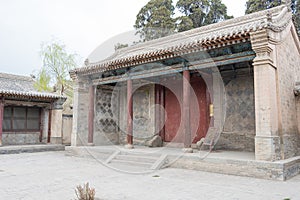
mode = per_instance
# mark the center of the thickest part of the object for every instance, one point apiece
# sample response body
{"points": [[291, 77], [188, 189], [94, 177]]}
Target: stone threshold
{"points": [[16, 149], [281, 170]]}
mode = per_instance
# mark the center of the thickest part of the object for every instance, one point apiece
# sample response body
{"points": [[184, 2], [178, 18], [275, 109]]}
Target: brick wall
{"points": [[13, 138], [288, 70], [239, 128]]}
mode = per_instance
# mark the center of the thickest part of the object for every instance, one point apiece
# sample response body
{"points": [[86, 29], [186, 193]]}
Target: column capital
{"points": [[262, 47], [58, 104]]}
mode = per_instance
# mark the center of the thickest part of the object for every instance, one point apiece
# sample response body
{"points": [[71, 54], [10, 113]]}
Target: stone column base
{"points": [[187, 150], [55, 140], [128, 146], [267, 148]]}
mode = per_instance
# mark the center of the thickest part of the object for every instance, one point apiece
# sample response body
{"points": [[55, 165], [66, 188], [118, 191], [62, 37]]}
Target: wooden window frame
{"points": [[25, 130]]}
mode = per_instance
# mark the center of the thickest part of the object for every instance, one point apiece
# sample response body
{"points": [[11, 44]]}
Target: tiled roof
{"points": [[212, 36], [21, 86]]}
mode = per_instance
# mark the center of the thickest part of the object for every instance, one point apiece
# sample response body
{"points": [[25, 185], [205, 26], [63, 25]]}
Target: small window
{"points": [[7, 118], [21, 119], [33, 119]]}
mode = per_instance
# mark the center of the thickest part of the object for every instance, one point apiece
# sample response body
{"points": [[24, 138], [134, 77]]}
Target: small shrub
{"points": [[85, 192]]}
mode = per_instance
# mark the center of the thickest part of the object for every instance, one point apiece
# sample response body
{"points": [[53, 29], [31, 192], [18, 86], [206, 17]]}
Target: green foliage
{"points": [[57, 63], [184, 23], [155, 20], [120, 46], [258, 5], [42, 82], [202, 12], [296, 16]]}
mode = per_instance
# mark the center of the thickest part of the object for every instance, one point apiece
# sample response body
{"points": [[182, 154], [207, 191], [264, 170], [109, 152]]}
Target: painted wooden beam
{"points": [[129, 112], [91, 114], [194, 65], [26, 103]]}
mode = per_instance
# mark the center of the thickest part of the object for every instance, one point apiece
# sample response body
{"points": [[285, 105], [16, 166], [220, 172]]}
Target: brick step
{"points": [[130, 163], [137, 158], [88, 153]]}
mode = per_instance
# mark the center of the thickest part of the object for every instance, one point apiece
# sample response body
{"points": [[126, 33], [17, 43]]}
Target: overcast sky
{"points": [[82, 25]]}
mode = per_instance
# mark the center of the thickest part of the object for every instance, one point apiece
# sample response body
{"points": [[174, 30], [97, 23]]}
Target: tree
{"points": [[201, 12], [296, 17], [120, 46], [184, 23], [42, 82], [56, 66], [155, 20], [258, 5]]}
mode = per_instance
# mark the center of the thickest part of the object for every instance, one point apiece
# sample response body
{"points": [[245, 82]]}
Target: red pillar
{"points": [[186, 109], [157, 111], [1, 119], [91, 114], [129, 113], [162, 114]]}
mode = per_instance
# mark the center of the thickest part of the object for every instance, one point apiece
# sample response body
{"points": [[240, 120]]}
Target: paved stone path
{"points": [[52, 175]]}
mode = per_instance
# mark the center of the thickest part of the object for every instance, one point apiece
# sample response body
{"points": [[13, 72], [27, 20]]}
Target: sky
{"points": [[82, 25]]}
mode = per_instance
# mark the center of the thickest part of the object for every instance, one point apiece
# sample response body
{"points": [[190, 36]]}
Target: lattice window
{"points": [[106, 116]]}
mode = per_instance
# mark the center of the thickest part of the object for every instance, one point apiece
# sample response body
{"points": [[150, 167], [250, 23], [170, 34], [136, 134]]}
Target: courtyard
{"points": [[55, 175]]}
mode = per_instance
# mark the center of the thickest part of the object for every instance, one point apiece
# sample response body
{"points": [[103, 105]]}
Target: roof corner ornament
{"points": [[86, 62], [269, 16], [288, 4]]}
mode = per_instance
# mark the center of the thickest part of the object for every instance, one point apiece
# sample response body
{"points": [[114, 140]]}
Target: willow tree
{"points": [[57, 63]]}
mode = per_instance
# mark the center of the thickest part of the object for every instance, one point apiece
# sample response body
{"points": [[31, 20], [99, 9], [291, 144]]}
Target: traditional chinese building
{"points": [[26, 115], [234, 81]]}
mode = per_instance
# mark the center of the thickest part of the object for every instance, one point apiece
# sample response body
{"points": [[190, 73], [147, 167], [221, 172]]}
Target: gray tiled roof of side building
{"points": [[18, 85]]}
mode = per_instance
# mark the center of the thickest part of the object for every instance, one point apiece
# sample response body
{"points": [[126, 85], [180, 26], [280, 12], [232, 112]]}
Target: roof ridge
{"points": [[253, 17]]}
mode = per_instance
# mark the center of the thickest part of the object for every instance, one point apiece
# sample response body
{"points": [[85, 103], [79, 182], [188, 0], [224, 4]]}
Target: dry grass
{"points": [[85, 192]]}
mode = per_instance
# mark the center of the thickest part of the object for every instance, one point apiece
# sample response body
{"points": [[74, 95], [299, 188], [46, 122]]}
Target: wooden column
{"points": [[157, 110], [186, 109], [162, 114], [1, 119], [91, 114], [129, 113]]}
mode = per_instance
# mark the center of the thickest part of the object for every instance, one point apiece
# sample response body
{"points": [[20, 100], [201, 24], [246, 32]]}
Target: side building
{"points": [[26, 115]]}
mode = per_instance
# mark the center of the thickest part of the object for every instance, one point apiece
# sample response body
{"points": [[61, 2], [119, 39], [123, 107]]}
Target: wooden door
{"points": [[173, 97], [199, 113]]}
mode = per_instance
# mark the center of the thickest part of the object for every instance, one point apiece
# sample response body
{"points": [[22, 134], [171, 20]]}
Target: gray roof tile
{"points": [[17, 85]]}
